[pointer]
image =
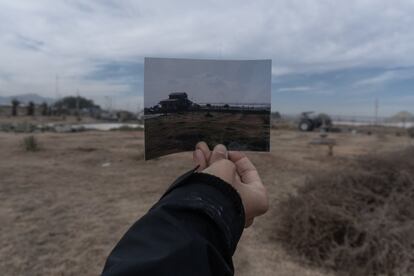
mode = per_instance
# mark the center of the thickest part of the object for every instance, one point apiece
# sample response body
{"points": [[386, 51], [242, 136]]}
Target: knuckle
{"points": [[263, 205], [262, 208]]}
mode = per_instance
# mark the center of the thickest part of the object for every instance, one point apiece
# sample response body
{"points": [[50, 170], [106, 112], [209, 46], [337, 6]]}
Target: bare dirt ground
{"points": [[63, 208]]}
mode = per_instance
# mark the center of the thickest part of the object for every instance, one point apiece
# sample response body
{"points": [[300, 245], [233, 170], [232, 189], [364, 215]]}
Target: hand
{"points": [[236, 169]]}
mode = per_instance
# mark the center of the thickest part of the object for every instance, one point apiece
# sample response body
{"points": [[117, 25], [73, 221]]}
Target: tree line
{"points": [[60, 107]]}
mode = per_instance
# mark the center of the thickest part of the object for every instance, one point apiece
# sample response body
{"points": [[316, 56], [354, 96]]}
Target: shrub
{"points": [[410, 132], [30, 143], [127, 128], [358, 221]]}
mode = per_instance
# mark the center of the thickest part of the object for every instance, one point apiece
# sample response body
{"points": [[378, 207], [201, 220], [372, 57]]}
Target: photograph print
{"points": [[216, 101]]}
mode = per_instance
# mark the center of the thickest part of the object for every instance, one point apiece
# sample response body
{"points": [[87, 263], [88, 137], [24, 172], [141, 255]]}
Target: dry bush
{"points": [[30, 143], [410, 132], [358, 221]]}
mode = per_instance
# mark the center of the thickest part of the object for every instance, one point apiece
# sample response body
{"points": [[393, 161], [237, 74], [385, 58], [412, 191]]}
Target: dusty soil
{"points": [[177, 132], [64, 207]]}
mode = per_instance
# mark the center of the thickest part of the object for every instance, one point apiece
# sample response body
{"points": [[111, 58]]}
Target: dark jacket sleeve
{"points": [[193, 230]]}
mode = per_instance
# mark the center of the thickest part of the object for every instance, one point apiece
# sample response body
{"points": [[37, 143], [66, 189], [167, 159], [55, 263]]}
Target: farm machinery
{"points": [[308, 122]]}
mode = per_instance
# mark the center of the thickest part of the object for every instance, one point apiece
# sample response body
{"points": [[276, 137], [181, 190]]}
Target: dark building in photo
{"points": [[177, 101]]}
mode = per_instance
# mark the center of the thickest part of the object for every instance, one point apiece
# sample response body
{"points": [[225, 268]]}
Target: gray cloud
{"points": [[294, 89], [39, 39]]}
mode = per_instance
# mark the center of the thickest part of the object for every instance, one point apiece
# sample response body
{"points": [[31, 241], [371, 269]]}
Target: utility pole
{"points": [[77, 105], [57, 88], [108, 102], [57, 109]]}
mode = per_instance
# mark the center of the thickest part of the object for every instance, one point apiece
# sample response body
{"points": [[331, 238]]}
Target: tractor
{"points": [[309, 123]]}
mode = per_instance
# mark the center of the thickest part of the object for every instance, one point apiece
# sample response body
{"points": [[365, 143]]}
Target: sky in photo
{"points": [[208, 81], [328, 56]]}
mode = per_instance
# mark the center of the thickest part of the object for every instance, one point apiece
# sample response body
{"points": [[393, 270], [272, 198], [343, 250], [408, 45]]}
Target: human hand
{"points": [[236, 169]]}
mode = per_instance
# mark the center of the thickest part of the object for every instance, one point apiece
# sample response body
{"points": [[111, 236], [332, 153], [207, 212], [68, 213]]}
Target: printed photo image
{"points": [[216, 101]]}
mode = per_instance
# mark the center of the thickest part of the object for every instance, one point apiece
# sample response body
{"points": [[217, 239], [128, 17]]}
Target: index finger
{"points": [[205, 149], [245, 168]]}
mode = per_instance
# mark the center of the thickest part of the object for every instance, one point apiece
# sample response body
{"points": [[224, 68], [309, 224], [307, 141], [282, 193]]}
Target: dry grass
{"points": [[280, 124], [62, 210], [358, 221]]}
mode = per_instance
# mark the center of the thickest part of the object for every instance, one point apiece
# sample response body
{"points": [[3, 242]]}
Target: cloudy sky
{"points": [[327, 55], [208, 81]]}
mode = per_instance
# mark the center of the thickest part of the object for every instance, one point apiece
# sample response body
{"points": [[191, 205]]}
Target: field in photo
{"points": [[165, 134]]}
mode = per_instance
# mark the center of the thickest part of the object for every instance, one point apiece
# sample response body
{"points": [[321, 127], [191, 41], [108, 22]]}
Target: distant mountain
{"points": [[25, 98]]}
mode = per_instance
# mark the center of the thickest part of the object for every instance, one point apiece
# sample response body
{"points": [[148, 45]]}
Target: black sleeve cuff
{"points": [[214, 197]]}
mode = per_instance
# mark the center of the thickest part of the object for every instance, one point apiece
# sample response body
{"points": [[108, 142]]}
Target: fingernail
{"points": [[221, 149]]}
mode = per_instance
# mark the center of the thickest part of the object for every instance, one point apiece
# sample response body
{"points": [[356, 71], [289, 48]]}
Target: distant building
{"points": [[177, 101], [124, 116], [6, 110]]}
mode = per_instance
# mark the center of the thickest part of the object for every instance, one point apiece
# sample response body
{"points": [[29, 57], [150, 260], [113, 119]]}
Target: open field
{"points": [[63, 208], [180, 132]]}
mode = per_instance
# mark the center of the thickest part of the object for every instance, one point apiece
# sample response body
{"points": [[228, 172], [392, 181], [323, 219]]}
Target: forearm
{"points": [[196, 224]]}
